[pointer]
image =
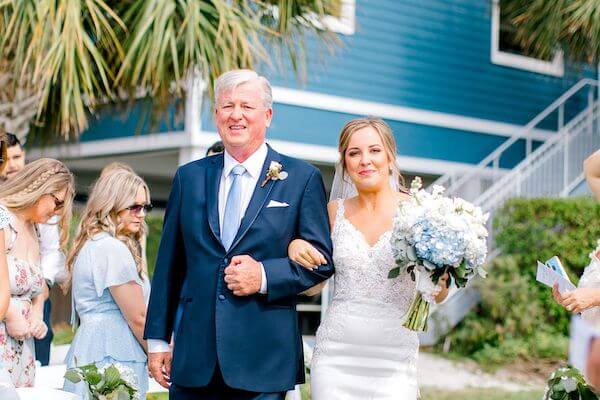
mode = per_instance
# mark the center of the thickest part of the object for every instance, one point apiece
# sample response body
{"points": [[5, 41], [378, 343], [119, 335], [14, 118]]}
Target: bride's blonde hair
{"points": [[387, 138], [113, 192], [45, 176]]}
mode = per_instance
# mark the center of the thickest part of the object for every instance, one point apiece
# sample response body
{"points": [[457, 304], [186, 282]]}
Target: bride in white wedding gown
{"points": [[363, 352]]}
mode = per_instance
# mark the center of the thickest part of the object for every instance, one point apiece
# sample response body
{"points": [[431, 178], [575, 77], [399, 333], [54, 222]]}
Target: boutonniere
{"points": [[275, 172]]}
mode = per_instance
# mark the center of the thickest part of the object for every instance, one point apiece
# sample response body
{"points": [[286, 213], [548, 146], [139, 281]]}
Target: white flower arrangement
{"points": [[109, 382], [274, 172], [434, 235]]}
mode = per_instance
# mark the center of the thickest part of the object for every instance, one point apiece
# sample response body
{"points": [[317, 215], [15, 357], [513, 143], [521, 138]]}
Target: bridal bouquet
{"points": [[110, 382], [434, 235], [568, 383]]}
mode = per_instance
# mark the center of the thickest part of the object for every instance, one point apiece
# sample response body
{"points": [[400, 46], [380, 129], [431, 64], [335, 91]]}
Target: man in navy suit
{"points": [[228, 224]]}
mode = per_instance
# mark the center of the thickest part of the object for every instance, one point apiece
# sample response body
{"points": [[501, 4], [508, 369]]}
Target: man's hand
{"points": [[243, 275], [159, 366]]}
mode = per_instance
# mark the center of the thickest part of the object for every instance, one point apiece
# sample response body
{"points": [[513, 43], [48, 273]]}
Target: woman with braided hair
{"points": [[43, 189], [7, 390], [110, 289]]}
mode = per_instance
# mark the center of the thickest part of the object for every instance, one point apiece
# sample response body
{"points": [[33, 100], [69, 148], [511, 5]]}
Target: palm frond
{"points": [[543, 26]]}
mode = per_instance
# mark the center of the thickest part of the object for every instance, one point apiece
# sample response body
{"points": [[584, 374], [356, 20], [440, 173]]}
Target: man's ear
{"points": [[269, 112]]}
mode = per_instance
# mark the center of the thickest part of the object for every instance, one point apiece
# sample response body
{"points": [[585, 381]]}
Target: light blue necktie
{"points": [[233, 205]]}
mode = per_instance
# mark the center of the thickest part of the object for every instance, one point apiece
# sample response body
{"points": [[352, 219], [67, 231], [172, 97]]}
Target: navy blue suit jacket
{"points": [[255, 339]]}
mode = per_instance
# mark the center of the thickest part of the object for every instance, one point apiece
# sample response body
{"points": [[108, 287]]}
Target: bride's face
{"points": [[366, 160]]}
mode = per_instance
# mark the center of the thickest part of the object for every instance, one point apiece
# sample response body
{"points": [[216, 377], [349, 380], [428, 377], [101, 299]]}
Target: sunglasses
{"points": [[137, 208], [58, 203]]}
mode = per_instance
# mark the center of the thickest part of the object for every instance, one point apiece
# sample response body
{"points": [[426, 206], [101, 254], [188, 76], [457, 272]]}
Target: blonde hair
{"points": [[45, 176], [114, 191], [115, 165], [387, 138]]}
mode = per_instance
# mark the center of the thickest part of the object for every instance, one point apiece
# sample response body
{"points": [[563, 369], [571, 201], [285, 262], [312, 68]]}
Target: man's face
{"points": [[15, 160], [242, 119]]}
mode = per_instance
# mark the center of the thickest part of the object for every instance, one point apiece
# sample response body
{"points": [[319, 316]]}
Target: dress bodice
{"points": [[25, 277], [591, 279], [361, 270]]}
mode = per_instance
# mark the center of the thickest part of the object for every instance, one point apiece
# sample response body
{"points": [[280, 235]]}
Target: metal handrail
{"points": [[494, 157], [503, 182]]}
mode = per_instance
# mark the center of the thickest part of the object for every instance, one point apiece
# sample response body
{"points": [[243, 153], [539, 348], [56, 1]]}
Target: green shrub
{"points": [[517, 316], [154, 233]]}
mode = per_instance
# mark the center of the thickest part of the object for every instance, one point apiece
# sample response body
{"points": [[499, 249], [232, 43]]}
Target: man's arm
{"points": [[169, 271], [591, 167], [286, 278]]}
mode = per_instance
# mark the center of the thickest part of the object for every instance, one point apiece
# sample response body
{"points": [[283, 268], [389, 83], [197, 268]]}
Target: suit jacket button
{"points": [[225, 261], [221, 297]]}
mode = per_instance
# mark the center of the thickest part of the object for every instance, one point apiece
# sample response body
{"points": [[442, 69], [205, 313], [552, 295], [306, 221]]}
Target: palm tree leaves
{"points": [[77, 54], [545, 26]]}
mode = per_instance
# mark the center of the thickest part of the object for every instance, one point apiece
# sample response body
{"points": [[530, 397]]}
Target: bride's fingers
{"points": [[305, 262], [316, 256]]}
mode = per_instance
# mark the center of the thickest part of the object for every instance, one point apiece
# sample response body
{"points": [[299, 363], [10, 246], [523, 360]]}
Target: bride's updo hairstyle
{"points": [[387, 138]]}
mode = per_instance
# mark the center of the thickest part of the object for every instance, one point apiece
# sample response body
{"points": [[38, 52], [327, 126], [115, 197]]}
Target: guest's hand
{"points": [[159, 366], [243, 275], [305, 254], [17, 325], [577, 300], [38, 328]]}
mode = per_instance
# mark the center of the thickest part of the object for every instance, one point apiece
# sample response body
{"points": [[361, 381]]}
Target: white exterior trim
{"points": [[555, 67], [393, 112], [126, 145], [346, 23], [180, 140]]}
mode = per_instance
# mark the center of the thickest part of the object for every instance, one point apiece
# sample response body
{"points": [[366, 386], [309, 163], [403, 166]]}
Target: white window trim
{"points": [[555, 67], [346, 23]]}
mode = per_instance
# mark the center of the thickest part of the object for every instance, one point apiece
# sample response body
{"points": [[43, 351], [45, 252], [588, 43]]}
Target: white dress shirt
{"points": [[52, 259], [248, 181]]}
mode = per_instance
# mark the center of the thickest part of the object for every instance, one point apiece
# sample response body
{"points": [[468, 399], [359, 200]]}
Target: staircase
{"points": [[553, 169]]}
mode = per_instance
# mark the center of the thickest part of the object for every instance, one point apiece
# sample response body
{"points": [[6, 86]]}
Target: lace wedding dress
{"points": [[591, 279], [363, 352]]}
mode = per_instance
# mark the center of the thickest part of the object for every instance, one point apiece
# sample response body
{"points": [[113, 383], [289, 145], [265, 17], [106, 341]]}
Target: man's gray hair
{"points": [[232, 79]]}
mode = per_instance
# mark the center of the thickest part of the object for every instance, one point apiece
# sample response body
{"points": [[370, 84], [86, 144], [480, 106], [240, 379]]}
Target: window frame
{"points": [[555, 67]]}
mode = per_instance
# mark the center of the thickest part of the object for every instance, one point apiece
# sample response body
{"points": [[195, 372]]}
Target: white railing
{"points": [[472, 184], [553, 169]]}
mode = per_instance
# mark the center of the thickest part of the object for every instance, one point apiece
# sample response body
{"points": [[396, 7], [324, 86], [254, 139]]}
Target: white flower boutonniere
{"points": [[275, 172]]}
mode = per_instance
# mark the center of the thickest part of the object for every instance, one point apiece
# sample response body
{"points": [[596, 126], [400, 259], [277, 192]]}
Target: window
{"points": [[507, 52]]}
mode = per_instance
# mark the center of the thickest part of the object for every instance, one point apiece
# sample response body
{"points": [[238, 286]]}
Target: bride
{"points": [[362, 350]]}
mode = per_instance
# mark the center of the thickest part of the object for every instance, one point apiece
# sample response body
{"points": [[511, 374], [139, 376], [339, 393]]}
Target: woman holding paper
{"points": [[586, 298]]}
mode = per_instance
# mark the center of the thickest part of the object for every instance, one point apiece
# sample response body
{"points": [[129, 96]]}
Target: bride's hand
{"points": [[443, 284], [305, 254]]}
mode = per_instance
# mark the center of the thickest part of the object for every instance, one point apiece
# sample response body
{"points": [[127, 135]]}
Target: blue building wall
{"points": [[433, 55], [430, 55]]}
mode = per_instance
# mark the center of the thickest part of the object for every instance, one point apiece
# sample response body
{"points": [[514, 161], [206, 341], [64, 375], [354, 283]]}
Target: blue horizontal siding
{"points": [[432, 55], [319, 127], [110, 122]]}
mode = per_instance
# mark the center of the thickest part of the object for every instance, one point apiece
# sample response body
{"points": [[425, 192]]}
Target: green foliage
{"points": [[154, 233], [517, 317], [568, 383]]}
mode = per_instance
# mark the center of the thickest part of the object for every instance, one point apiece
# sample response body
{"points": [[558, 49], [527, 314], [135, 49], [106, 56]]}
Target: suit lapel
{"points": [[213, 179], [260, 195]]}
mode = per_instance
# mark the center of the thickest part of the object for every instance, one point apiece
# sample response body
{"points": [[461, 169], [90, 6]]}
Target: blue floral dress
{"points": [[103, 336]]}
